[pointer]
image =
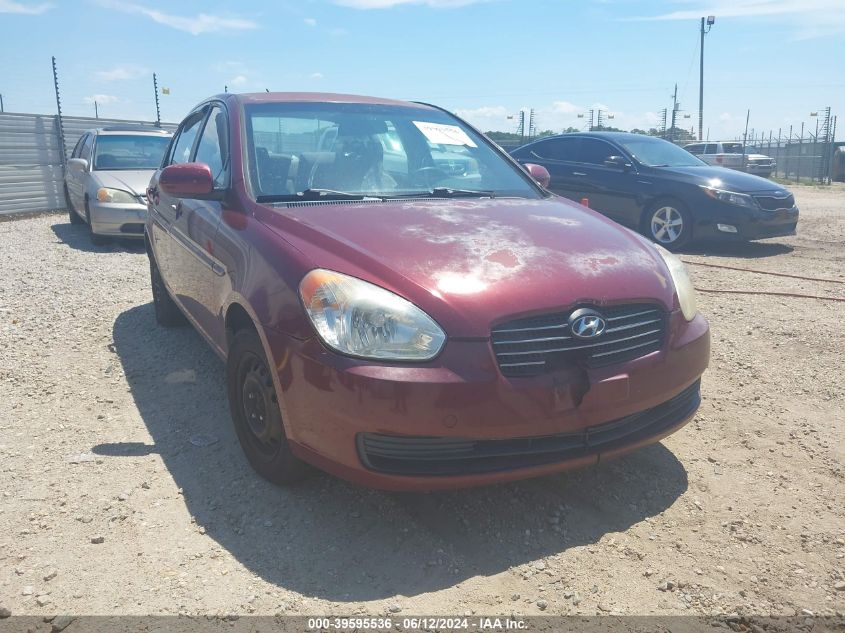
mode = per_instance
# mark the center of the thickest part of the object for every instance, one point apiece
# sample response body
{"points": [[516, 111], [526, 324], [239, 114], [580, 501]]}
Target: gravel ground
{"points": [[124, 490]]}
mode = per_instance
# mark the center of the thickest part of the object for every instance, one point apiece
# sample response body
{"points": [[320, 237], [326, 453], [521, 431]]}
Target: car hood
{"points": [[721, 178], [134, 181], [471, 264]]}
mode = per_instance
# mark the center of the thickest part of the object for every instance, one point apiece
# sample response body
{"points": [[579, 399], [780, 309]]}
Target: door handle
{"points": [[578, 173], [177, 208]]}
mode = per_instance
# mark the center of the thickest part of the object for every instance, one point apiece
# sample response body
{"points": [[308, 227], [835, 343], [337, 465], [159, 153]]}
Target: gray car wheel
{"points": [[96, 240], [669, 224], [71, 212]]}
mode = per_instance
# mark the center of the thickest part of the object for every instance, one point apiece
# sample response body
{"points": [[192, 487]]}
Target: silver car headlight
{"points": [[355, 317], [730, 197], [681, 280], [105, 194]]}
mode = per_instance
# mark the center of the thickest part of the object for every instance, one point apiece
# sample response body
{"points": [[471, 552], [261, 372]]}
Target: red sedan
{"points": [[401, 304]]}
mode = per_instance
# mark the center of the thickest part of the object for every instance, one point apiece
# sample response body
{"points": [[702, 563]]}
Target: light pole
{"points": [[708, 22]]}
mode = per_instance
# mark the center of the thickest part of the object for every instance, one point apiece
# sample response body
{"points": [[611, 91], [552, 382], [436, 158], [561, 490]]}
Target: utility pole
{"points": [[1, 103], [674, 113], [96, 111], [709, 21], [158, 112]]}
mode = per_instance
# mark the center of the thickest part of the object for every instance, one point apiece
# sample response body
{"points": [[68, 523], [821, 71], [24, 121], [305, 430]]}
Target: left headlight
{"points": [[683, 285], [104, 194], [355, 317], [730, 197]]}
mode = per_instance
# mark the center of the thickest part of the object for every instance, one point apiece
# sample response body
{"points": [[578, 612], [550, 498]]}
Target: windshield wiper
{"points": [[316, 194], [448, 192]]}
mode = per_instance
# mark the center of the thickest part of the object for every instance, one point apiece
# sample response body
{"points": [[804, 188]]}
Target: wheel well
{"points": [[237, 318]]}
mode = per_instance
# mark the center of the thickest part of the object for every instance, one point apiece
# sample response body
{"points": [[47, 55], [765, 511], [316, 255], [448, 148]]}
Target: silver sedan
{"points": [[107, 176]]}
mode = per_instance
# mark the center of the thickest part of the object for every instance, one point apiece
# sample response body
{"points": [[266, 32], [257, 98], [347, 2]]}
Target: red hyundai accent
{"points": [[401, 304]]}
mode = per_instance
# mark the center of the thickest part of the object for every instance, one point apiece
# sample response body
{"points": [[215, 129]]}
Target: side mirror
{"points": [[539, 173], [77, 164], [189, 180], [617, 161]]}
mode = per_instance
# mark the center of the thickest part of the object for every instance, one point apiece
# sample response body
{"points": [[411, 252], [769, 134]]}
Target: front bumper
{"points": [[331, 404], [118, 220], [750, 224]]}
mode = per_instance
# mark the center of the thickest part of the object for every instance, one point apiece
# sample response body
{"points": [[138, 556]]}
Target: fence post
{"points": [[800, 157], [62, 148]]}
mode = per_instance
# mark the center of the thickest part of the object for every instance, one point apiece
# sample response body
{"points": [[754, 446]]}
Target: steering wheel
{"points": [[429, 176]]}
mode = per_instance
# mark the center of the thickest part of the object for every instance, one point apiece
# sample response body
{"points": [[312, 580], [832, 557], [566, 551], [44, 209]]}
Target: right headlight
{"points": [[355, 317], [681, 280]]}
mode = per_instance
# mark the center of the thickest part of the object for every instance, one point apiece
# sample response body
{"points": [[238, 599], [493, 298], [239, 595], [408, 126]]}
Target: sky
{"points": [[483, 59]]}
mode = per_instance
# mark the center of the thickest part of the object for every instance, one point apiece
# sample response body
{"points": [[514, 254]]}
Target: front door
{"points": [[609, 190]]}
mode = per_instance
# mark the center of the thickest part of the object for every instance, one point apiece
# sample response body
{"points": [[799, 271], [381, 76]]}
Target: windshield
{"points": [[656, 152], [331, 150], [132, 151]]}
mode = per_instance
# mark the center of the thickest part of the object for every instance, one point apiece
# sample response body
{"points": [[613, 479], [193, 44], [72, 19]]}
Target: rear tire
{"points": [[96, 240], [71, 212], [167, 312], [668, 223], [256, 414]]}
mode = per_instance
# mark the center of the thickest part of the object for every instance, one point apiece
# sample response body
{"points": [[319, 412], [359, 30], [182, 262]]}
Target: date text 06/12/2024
{"points": [[417, 623]]}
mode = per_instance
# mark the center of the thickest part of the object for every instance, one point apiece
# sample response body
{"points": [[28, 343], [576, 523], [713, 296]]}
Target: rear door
{"points": [[557, 154], [610, 190]]}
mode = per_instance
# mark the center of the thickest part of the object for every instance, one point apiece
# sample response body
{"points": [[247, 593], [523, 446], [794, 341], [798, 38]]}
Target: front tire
{"points": [[256, 414], [72, 214], [167, 312], [96, 240], [668, 223]]}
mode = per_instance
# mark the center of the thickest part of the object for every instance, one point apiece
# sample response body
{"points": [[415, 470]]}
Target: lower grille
{"points": [[537, 345], [405, 455], [773, 203]]}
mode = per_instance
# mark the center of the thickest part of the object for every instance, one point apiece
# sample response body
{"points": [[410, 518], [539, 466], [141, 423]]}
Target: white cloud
{"points": [[238, 80], [101, 99], [8, 6], [310, 21], [725, 117], [812, 18], [195, 25], [121, 73], [316, 75], [338, 32], [388, 4], [565, 107]]}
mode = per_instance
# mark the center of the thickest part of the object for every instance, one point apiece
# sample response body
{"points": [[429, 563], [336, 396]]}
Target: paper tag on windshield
{"points": [[443, 134]]}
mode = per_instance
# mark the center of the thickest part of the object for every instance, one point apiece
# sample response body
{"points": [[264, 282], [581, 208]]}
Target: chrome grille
{"points": [[537, 345], [774, 203]]}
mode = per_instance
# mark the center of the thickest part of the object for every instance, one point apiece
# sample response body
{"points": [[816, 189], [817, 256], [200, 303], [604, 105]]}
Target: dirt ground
{"points": [[123, 489]]}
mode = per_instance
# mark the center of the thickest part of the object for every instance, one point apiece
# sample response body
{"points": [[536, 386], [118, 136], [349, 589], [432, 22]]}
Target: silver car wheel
{"points": [[667, 225]]}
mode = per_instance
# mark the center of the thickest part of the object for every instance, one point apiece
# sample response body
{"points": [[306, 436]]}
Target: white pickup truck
{"points": [[729, 154]]}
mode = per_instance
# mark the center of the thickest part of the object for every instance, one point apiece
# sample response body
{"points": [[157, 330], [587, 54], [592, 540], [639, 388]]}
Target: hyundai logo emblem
{"points": [[586, 324]]}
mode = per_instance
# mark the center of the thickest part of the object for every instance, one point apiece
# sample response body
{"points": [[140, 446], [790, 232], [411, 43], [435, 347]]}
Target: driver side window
{"points": [[184, 144], [211, 149]]}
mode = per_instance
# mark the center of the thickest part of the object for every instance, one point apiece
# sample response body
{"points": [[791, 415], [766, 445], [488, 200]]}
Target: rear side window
{"points": [[557, 149], [185, 142], [212, 146], [711, 148], [694, 149], [595, 152]]}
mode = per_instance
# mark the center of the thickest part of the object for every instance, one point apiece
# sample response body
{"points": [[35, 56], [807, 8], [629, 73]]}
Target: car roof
{"points": [[610, 136], [144, 130], [318, 97]]}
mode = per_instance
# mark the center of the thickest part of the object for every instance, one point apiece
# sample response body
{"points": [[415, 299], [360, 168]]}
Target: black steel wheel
{"points": [[256, 414]]}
